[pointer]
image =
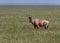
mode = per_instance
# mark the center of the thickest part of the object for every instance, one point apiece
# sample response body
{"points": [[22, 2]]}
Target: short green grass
{"points": [[15, 27]]}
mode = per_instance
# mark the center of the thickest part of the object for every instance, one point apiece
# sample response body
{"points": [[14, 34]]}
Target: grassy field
{"points": [[15, 27]]}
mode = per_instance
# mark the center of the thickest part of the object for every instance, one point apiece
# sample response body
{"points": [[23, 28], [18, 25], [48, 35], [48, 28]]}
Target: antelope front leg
{"points": [[35, 26]]}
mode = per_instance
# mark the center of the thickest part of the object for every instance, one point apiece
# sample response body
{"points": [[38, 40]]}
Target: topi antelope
{"points": [[38, 23]]}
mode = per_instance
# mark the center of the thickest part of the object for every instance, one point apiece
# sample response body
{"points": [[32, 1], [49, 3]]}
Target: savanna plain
{"points": [[15, 26]]}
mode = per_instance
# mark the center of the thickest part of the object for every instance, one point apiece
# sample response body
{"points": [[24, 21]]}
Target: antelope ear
{"points": [[30, 16]]}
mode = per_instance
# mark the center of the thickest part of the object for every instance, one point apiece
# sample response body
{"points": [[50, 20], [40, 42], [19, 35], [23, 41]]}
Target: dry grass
{"points": [[15, 28]]}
